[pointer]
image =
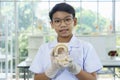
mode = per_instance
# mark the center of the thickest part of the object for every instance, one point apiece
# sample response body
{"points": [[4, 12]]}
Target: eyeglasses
{"points": [[67, 21]]}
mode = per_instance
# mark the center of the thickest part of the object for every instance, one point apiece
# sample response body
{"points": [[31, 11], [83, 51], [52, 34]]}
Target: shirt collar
{"points": [[73, 42]]}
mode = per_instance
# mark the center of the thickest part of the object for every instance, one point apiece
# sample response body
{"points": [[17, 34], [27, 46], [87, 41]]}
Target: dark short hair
{"points": [[62, 7]]}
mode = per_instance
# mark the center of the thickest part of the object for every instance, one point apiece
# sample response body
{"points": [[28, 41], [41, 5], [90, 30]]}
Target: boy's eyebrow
{"points": [[63, 18]]}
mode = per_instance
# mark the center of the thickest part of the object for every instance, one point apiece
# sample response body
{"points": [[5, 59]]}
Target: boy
{"points": [[85, 62]]}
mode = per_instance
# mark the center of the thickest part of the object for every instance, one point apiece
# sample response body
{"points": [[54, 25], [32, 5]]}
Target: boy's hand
{"points": [[53, 69], [66, 61], [74, 68]]}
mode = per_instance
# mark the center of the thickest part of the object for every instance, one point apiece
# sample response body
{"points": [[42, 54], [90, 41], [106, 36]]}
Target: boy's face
{"points": [[63, 23]]}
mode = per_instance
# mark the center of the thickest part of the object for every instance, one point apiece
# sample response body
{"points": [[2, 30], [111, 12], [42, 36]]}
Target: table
{"points": [[23, 65], [106, 64], [112, 64]]}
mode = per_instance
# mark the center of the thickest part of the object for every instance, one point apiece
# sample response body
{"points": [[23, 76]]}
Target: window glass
{"points": [[2, 24], [6, 0], [42, 0], [7, 29], [117, 17], [97, 0], [88, 17], [105, 23], [117, 0], [73, 0], [105, 0], [25, 15], [2, 47], [89, 0], [7, 19], [41, 17]]}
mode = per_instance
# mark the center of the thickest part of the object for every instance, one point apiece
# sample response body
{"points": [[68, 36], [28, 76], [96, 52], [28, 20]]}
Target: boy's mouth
{"points": [[63, 30]]}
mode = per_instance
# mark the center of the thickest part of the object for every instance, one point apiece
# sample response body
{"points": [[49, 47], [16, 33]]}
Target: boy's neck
{"points": [[64, 39]]}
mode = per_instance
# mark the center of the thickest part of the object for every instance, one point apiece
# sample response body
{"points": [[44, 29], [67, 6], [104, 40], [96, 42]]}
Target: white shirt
{"points": [[82, 53]]}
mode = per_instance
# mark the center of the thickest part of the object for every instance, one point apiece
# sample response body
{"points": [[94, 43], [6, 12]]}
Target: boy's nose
{"points": [[63, 23]]}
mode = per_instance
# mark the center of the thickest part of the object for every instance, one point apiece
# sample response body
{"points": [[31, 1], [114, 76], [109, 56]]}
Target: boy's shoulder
{"points": [[83, 43]]}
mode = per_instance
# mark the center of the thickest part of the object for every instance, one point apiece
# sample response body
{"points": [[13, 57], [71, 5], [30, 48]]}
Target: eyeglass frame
{"points": [[64, 19]]}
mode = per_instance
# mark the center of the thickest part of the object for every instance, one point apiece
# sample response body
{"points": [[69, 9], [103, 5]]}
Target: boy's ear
{"points": [[75, 21], [52, 26]]}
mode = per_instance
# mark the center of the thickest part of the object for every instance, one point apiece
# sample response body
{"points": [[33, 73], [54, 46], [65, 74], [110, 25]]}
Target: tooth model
{"points": [[61, 54]]}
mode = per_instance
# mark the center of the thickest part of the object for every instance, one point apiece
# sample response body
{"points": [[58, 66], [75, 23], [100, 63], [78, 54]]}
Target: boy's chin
{"points": [[65, 35]]}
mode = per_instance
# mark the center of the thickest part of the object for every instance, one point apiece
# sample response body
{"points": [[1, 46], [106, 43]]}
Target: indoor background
{"points": [[21, 18]]}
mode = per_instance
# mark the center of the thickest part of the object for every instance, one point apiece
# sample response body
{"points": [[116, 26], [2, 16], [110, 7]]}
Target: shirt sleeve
{"points": [[36, 65], [92, 62]]}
